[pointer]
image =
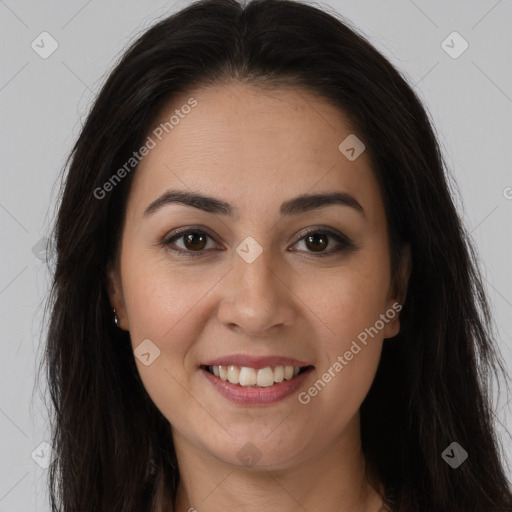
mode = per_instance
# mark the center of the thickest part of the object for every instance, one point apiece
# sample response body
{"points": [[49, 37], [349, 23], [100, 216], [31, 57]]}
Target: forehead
{"points": [[250, 145]]}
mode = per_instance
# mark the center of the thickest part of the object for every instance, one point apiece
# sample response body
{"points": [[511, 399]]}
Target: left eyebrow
{"points": [[308, 202], [300, 204]]}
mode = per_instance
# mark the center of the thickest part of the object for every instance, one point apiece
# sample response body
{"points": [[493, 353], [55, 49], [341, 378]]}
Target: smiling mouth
{"points": [[245, 376]]}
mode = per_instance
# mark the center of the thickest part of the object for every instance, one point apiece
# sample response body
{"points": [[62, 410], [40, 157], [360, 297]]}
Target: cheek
{"points": [[162, 307], [338, 390], [347, 299], [349, 334], [347, 304], [159, 297]]}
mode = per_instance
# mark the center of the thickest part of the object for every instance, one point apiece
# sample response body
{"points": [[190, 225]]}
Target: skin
{"points": [[255, 149]]}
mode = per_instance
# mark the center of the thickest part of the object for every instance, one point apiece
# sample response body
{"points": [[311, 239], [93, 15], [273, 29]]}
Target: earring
{"points": [[115, 319]]}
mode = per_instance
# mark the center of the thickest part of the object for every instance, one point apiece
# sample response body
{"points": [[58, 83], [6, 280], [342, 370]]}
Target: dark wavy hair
{"points": [[434, 382]]}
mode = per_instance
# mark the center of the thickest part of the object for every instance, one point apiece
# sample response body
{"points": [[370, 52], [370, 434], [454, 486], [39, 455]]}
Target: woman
{"points": [[264, 297]]}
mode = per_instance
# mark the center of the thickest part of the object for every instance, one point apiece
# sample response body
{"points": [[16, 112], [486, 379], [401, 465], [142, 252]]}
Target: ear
{"points": [[398, 292], [116, 296]]}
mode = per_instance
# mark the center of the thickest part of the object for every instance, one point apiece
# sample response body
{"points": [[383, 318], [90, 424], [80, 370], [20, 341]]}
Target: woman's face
{"points": [[252, 282]]}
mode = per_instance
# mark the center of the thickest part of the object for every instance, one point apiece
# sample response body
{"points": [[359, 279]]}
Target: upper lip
{"points": [[255, 361]]}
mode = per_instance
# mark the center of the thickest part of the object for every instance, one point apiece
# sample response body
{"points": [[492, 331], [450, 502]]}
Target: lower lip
{"points": [[253, 395]]}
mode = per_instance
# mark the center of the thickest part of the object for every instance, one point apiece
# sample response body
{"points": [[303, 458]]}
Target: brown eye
{"points": [[317, 242], [195, 240]]}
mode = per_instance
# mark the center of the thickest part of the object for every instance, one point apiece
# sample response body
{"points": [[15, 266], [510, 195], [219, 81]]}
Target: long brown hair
{"points": [[115, 450]]}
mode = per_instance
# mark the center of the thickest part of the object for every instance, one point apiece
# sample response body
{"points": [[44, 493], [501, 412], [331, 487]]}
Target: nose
{"points": [[256, 299]]}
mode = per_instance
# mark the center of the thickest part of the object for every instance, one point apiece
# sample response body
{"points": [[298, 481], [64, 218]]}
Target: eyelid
{"points": [[324, 229], [344, 242], [180, 232]]}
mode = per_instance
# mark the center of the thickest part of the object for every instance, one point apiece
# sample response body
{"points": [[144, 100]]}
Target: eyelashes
{"points": [[197, 236]]}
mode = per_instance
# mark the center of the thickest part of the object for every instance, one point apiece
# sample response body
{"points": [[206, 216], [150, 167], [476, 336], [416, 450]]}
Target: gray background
{"points": [[43, 103]]}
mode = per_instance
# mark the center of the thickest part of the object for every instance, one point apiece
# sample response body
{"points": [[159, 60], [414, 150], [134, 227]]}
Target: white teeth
{"points": [[279, 373], [246, 376], [265, 377], [233, 374]]}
